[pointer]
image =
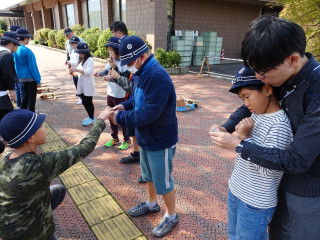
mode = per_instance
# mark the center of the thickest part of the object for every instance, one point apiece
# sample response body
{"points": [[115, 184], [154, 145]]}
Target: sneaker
{"points": [[88, 121], [112, 142], [79, 102], [125, 145], [141, 180], [143, 209], [165, 226], [130, 159]]}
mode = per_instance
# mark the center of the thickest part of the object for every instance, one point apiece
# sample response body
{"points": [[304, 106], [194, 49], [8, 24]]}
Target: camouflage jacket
{"points": [[25, 201]]}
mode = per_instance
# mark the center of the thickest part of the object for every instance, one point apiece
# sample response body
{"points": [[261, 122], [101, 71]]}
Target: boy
{"points": [[152, 112], [26, 198], [252, 197], [73, 62], [27, 70], [275, 47], [116, 94]]}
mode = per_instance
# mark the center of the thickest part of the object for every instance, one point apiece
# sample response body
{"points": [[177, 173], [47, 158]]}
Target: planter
{"points": [[177, 70]]}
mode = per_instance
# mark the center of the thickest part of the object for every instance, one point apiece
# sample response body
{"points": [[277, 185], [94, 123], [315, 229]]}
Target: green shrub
{"points": [[77, 29], [102, 41], [167, 59], [91, 36], [44, 33], [60, 39], [52, 38], [2, 32], [36, 37], [3, 24]]}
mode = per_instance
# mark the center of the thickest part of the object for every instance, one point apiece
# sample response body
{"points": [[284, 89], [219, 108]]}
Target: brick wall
{"points": [[230, 20]]}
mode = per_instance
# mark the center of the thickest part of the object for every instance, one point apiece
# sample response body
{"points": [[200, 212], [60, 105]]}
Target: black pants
{"points": [[88, 105], [75, 81], [29, 96]]}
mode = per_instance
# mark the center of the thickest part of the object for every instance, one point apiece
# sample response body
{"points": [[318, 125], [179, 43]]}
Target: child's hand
{"points": [[107, 78], [244, 128], [113, 117], [217, 128], [69, 64], [73, 69], [105, 114], [96, 74], [114, 74], [224, 140], [118, 107]]}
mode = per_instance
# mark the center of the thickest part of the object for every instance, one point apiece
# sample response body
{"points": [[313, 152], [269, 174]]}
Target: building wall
{"points": [[230, 20]]}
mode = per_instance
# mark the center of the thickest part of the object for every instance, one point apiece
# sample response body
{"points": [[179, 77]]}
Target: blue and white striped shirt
{"points": [[251, 183]]}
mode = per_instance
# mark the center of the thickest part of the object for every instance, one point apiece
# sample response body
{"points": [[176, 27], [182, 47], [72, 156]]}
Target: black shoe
{"points": [[141, 180], [130, 159]]}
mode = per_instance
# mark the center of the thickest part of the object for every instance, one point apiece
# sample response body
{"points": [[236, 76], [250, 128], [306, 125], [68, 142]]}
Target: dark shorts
{"points": [[131, 132]]}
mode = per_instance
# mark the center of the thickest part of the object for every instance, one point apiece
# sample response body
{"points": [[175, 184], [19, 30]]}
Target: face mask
{"points": [[133, 68]]}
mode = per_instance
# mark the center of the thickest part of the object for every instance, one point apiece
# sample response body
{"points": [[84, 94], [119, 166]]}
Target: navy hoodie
{"points": [[152, 110]]}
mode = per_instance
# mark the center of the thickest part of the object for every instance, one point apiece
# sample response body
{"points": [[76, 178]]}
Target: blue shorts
{"points": [[156, 167]]}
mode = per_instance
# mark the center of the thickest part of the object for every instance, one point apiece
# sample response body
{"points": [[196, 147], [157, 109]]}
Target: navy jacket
{"points": [[301, 163], [152, 110]]}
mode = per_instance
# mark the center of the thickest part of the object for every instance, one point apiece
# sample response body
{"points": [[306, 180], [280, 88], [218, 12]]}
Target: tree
{"points": [[306, 13], [3, 24]]}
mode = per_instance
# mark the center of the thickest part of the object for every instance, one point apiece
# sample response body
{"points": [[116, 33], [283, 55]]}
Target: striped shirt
{"points": [[251, 183]]}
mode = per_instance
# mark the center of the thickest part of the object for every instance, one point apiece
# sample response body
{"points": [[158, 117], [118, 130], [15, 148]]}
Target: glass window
{"points": [[119, 10], [123, 10], [70, 15], [84, 11], [170, 23], [94, 12]]}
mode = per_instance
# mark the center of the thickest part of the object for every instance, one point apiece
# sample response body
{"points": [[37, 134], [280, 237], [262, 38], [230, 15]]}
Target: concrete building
{"points": [[151, 19]]}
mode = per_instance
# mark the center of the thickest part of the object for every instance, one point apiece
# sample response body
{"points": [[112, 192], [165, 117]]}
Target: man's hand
{"points": [[12, 95], [224, 140], [114, 74], [105, 114], [96, 74], [118, 107], [107, 78], [113, 117], [244, 128]]}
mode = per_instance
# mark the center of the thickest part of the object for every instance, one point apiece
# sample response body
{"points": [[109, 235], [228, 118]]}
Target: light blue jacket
{"points": [[26, 65]]}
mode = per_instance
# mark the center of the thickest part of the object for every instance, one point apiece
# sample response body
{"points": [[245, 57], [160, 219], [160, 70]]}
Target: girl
{"points": [[86, 84]]}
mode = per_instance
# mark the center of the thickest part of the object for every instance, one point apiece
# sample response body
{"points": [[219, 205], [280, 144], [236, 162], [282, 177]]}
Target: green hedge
{"points": [[52, 38], [167, 59], [77, 29], [60, 39], [91, 36]]}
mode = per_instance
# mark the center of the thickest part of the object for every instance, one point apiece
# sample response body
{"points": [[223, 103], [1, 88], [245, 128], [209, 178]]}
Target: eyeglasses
{"points": [[259, 73]]}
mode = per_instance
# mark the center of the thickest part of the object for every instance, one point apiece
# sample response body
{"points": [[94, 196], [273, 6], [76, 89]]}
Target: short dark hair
{"points": [[257, 87], [119, 26], [4, 42], [269, 41], [116, 51]]}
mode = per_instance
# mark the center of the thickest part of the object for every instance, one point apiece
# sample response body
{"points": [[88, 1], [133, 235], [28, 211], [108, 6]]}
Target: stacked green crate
{"points": [[187, 37], [213, 46], [198, 51], [218, 50]]}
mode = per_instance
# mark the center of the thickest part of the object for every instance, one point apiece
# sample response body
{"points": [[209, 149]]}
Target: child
{"points": [[86, 84], [27, 70], [252, 197], [116, 94], [27, 199], [73, 62]]}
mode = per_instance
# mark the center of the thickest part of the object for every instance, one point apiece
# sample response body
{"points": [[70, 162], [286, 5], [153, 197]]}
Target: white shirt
{"points": [[86, 83], [114, 90]]}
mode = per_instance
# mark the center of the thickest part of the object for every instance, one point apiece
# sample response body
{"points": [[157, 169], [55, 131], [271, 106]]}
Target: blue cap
{"points": [[113, 42], [19, 125], [67, 31], [82, 48], [14, 28], [244, 77], [11, 37], [74, 39], [131, 48], [23, 33]]}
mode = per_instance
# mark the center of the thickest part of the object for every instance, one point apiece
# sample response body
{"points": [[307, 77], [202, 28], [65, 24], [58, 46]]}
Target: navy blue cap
{"points": [[19, 125], [74, 39], [245, 77], [11, 37], [67, 31], [23, 33], [82, 48], [14, 28], [113, 42], [131, 48]]}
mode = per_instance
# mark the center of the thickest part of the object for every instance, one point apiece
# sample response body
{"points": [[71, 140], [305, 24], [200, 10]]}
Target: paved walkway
{"points": [[201, 171]]}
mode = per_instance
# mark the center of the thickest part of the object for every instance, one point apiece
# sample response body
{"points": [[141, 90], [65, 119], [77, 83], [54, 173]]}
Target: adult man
{"points": [[275, 49], [119, 29], [69, 34], [152, 113]]}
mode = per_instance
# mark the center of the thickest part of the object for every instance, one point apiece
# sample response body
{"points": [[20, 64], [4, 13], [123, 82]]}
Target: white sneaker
{"points": [[79, 102]]}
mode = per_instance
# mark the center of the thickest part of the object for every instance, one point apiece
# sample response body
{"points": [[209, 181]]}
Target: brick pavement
{"points": [[201, 170]]}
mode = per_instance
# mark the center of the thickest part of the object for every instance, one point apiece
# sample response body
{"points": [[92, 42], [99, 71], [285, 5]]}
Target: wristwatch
{"points": [[239, 148]]}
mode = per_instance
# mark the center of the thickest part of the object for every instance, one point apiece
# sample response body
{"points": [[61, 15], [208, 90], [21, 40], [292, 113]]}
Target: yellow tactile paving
{"points": [[76, 177], [87, 192], [103, 214], [119, 227], [100, 210]]}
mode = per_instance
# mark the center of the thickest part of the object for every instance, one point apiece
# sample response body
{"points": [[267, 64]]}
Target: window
{"points": [[170, 24], [70, 15], [119, 10], [94, 13]]}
